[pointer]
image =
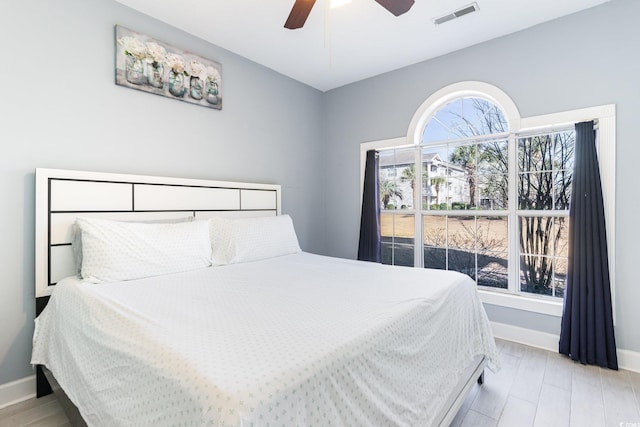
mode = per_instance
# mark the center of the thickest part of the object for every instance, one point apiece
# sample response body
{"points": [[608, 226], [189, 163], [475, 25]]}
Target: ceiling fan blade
{"points": [[397, 7], [299, 14]]}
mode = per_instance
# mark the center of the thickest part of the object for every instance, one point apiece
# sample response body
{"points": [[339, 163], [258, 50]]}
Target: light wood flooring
{"points": [[533, 388], [43, 412], [544, 389]]}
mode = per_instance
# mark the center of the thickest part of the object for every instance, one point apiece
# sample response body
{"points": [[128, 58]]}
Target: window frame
{"points": [[604, 116]]}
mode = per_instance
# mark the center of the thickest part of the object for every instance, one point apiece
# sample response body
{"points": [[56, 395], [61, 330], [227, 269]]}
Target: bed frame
{"points": [[62, 195]]}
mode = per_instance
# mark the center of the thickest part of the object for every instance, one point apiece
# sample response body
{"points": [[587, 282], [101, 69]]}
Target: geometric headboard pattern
{"points": [[63, 195]]}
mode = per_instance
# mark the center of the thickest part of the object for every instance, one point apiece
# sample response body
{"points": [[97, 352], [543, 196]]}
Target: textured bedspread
{"points": [[295, 340]]}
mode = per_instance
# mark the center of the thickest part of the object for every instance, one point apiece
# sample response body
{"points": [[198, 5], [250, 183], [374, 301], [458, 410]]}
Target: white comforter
{"points": [[294, 340]]}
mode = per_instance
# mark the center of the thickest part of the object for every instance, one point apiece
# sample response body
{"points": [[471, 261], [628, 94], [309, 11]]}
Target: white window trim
{"points": [[521, 302], [604, 115], [375, 145]]}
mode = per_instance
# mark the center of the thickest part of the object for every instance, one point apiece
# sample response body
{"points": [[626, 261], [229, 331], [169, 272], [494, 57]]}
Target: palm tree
{"points": [[465, 157], [436, 182], [388, 189], [409, 174], [469, 156]]}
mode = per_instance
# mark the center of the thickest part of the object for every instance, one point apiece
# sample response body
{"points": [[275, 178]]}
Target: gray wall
{"points": [[582, 60], [60, 108]]}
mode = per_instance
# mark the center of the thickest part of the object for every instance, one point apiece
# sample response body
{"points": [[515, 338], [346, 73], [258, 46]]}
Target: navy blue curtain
{"points": [[369, 248], [586, 334]]}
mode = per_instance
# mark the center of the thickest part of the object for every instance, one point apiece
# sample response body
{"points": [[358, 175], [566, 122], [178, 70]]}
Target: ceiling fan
{"points": [[302, 8]]}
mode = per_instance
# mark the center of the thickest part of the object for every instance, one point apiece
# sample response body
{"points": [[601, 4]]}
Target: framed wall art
{"points": [[153, 66]]}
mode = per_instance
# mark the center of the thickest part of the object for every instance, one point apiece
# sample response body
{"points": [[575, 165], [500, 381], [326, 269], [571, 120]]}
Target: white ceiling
{"points": [[356, 41]]}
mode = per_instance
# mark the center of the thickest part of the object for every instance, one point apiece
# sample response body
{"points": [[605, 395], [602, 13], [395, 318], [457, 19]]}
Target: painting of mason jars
{"points": [[152, 66]]}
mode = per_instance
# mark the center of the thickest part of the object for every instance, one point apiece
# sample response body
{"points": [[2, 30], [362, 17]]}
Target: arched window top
{"points": [[450, 113], [465, 117]]}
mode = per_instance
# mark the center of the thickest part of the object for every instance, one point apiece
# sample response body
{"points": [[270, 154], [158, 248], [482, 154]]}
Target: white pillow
{"points": [[114, 251], [252, 239], [76, 235]]}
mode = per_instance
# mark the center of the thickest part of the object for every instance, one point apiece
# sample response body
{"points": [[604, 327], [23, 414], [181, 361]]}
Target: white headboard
{"points": [[62, 195]]}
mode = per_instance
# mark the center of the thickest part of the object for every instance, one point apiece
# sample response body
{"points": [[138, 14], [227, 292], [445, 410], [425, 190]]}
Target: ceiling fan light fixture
{"points": [[301, 9], [338, 3]]}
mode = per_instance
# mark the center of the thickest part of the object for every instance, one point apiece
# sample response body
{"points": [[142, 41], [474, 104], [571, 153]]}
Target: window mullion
{"points": [[418, 246], [393, 240], [514, 262], [475, 248]]}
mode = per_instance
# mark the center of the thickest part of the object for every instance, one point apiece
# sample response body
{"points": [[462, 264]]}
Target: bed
{"points": [[266, 335]]}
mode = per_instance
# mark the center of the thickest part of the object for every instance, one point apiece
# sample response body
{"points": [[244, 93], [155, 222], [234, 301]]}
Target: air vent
{"points": [[473, 7]]}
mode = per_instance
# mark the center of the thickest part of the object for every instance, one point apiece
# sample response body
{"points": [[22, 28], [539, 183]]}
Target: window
{"points": [[397, 187], [545, 172], [463, 163], [476, 189]]}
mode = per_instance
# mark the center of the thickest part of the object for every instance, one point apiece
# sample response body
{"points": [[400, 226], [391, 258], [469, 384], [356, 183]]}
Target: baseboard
{"points": [[525, 336], [627, 359], [17, 391]]}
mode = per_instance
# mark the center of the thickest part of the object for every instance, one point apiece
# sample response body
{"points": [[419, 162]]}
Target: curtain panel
{"points": [[369, 247], [587, 333]]}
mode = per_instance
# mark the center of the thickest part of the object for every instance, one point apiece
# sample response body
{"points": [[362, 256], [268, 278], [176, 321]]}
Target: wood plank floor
{"points": [[534, 388], [544, 389], [43, 412]]}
